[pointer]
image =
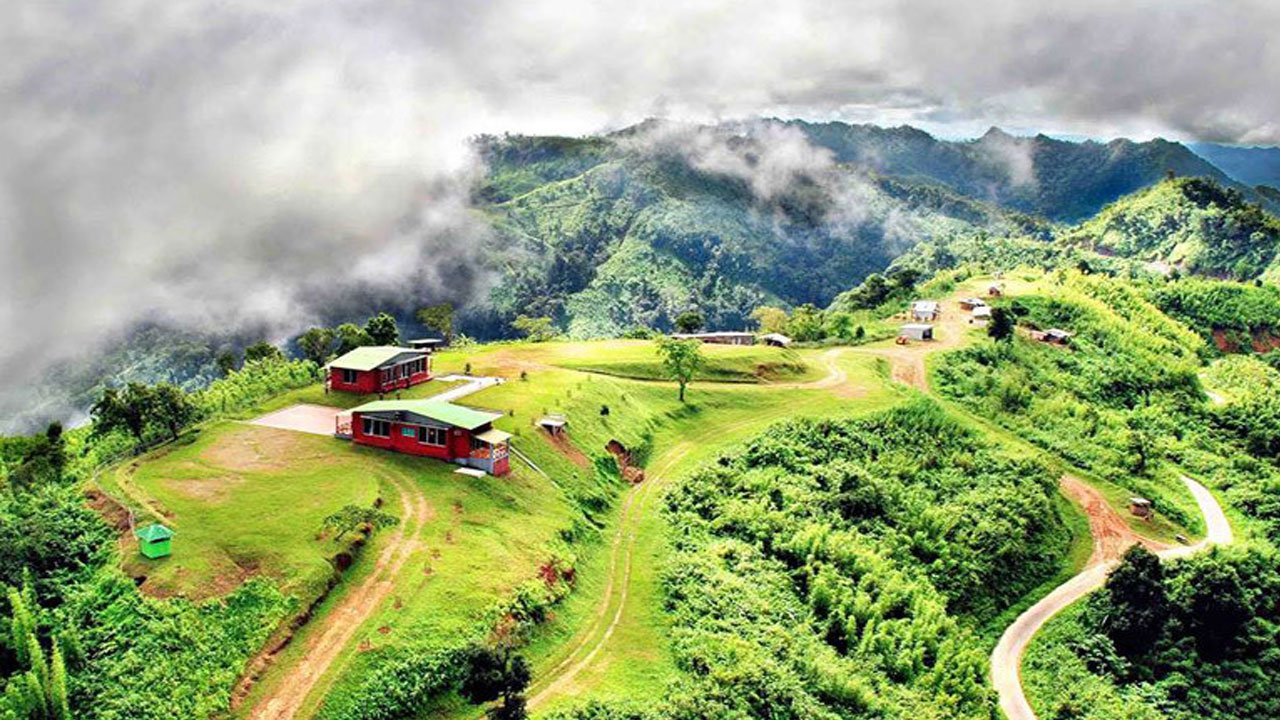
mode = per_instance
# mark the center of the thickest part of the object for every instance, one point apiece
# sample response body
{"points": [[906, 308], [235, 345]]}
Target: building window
{"points": [[349, 377], [375, 427], [432, 436]]}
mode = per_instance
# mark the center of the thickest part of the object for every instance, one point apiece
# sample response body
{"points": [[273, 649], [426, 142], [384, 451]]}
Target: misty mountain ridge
{"points": [[610, 232], [1253, 166]]}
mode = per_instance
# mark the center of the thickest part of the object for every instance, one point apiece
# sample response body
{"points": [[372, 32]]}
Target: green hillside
{"points": [[604, 235], [1056, 179], [1191, 224]]}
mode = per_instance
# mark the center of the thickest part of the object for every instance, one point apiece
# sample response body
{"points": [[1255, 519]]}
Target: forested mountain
{"points": [[1057, 179], [606, 234], [1192, 224], [1249, 165]]}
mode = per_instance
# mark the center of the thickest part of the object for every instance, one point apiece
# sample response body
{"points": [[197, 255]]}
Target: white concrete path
{"points": [[1006, 660]]}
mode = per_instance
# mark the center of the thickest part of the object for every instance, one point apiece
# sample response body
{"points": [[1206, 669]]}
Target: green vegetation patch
{"points": [[835, 568], [1185, 640]]}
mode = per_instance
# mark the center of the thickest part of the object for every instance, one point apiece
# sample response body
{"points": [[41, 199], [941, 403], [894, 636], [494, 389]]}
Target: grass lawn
{"points": [[638, 359], [244, 500]]}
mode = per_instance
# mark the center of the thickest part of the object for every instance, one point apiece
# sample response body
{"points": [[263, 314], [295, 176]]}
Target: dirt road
{"points": [[337, 627], [1109, 542], [907, 362], [595, 636]]}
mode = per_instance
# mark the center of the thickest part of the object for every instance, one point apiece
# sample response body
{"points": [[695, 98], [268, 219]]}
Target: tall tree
{"points": [[681, 360], [1136, 602], [382, 329], [171, 408], [124, 409], [316, 344], [439, 318], [262, 350], [491, 674], [351, 336], [226, 362], [1002, 324], [536, 329], [770, 319], [690, 321], [806, 323]]}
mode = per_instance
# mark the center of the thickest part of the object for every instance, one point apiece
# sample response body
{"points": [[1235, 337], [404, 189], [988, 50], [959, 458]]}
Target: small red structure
{"points": [[379, 369], [431, 428]]}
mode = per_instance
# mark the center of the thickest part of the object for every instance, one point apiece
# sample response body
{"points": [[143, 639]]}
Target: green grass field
{"points": [[246, 500], [638, 359]]}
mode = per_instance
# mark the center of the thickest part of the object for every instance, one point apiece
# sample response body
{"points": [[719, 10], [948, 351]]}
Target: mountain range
{"points": [[628, 229]]}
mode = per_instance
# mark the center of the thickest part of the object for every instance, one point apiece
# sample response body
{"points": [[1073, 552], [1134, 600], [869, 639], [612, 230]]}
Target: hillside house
{"points": [[972, 303], [379, 369], [719, 338], [924, 311], [427, 344], [430, 428], [1141, 507], [995, 291], [775, 340], [916, 331], [982, 314], [1053, 336]]}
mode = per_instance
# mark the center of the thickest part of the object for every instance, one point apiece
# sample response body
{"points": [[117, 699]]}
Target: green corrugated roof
{"points": [[448, 413], [368, 358], [152, 533]]}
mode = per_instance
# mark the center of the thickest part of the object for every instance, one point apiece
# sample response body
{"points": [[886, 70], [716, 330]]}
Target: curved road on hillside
{"points": [[1006, 660]]}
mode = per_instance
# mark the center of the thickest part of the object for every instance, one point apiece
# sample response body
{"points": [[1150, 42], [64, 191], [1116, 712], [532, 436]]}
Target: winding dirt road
{"points": [[1006, 660], [340, 625]]}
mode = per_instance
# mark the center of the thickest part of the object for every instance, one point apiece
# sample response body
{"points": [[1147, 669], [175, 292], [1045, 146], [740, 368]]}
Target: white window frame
{"points": [[349, 376], [426, 431], [370, 425]]}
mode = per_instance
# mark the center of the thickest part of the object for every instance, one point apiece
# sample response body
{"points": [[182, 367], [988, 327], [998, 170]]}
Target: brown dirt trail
{"points": [[338, 626]]}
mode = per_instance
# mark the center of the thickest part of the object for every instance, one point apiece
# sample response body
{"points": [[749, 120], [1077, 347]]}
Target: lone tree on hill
{"points": [[262, 351], [1002, 324], [681, 359], [316, 344], [352, 517], [690, 321], [492, 674], [382, 330], [439, 318]]}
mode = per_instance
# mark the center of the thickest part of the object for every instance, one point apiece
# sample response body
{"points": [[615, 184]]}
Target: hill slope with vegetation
{"points": [[1191, 224]]}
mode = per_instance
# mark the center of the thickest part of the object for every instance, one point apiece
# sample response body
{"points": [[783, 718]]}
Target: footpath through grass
{"points": [[613, 644]]}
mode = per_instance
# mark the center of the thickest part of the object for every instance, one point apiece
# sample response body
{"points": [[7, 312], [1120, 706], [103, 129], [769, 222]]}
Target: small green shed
{"points": [[153, 541]]}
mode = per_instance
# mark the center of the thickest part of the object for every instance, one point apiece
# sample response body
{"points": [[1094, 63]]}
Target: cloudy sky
{"points": [[220, 162]]}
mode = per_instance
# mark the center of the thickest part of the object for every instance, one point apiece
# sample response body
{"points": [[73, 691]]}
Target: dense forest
{"points": [[1184, 640], [1125, 402]]}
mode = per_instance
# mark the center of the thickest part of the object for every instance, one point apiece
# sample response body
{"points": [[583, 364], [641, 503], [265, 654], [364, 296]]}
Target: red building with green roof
{"points": [[379, 369], [431, 428]]}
